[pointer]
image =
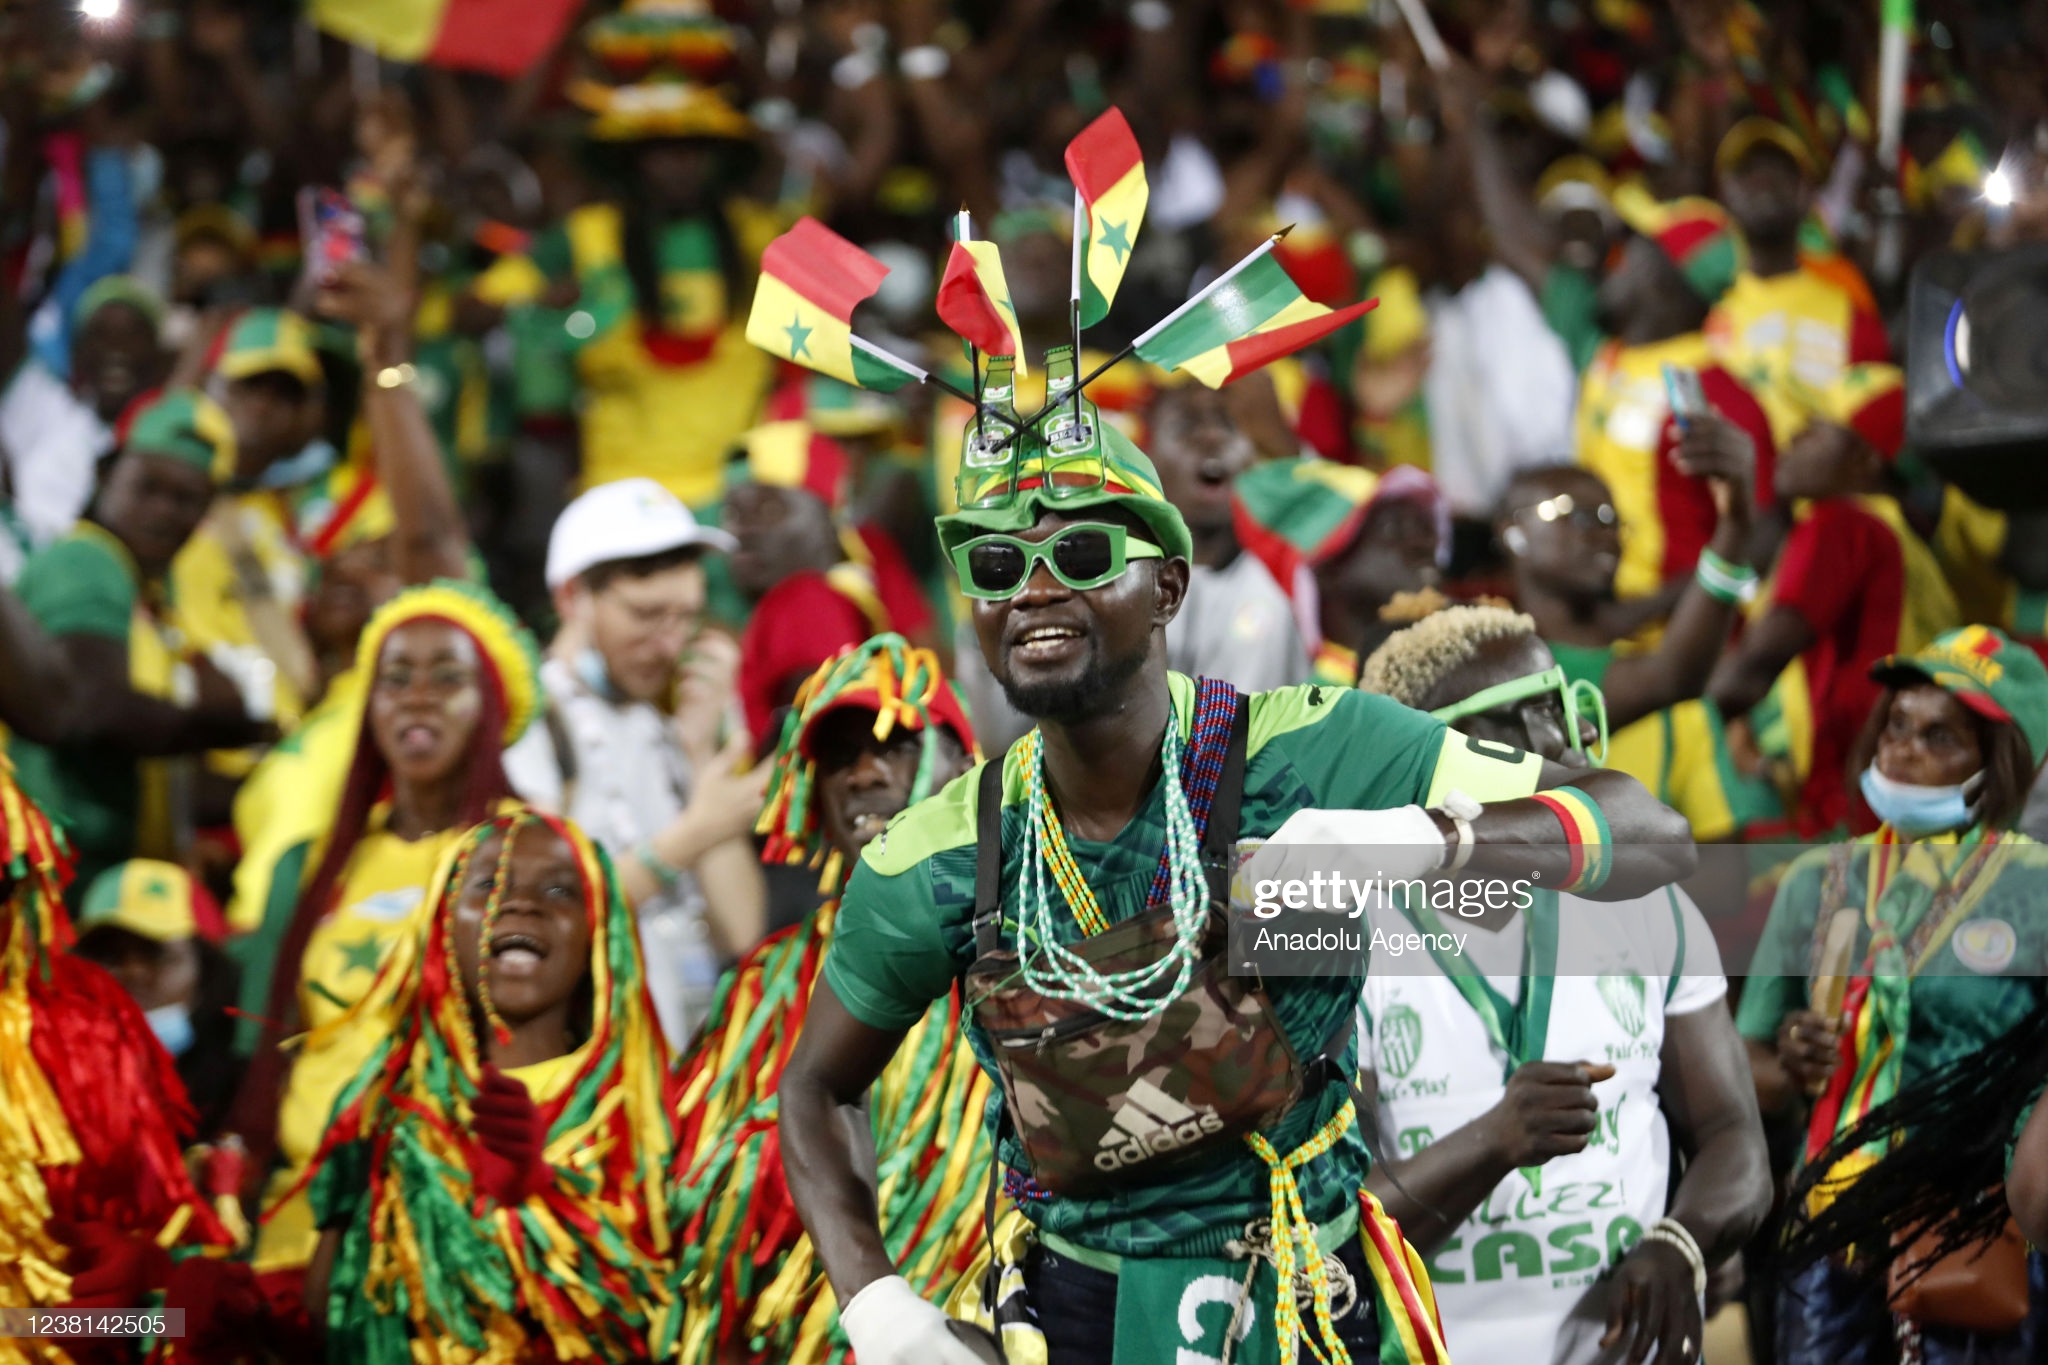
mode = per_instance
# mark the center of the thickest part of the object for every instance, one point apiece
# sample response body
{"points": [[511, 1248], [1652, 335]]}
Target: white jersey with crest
{"points": [[1523, 1266]]}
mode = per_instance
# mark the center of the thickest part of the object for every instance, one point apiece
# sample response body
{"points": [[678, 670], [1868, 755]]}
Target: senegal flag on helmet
{"points": [[811, 279], [1110, 193], [1251, 316]]}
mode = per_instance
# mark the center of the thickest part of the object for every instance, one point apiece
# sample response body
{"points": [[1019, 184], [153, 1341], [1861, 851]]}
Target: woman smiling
{"points": [[451, 681]]}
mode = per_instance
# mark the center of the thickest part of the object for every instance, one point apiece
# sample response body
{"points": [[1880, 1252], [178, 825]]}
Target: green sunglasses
{"points": [[1085, 555], [1581, 700]]}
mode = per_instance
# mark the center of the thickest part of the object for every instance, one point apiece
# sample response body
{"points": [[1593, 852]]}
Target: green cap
{"points": [[119, 289], [1043, 472], [1985, 671], [186, 425], [267, 340]]}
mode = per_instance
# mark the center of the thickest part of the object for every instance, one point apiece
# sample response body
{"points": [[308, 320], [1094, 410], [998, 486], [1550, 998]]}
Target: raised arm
{"points": [[1522, 241], [431, 539], [1636, 686], [1745, 673]]}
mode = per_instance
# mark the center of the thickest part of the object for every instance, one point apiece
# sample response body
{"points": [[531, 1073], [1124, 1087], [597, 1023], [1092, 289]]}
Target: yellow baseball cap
{"points": [[265, 340], [1753, 132], [151, 899]]}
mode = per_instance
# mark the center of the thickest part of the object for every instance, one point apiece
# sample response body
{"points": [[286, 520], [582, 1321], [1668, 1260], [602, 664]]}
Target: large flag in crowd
{"points": [[503, 37]]}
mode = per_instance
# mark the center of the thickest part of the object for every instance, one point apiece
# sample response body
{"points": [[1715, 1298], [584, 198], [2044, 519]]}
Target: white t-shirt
{"points": [[1500, 390], [53, 441], [1522, 1267], [630, 780]]}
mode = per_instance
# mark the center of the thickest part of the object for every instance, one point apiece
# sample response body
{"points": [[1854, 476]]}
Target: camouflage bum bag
{"points": [[1101, 1103]]}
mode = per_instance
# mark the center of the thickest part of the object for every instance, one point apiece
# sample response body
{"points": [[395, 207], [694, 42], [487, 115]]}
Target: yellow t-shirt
{"points": [[675, 424], [291, 796], [1780, 333], [210, 602], [380, 895], [1623, 409], [1967, 543]]}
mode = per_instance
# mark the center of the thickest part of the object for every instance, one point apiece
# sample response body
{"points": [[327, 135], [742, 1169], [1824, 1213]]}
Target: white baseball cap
{"points": [[623, 520]]}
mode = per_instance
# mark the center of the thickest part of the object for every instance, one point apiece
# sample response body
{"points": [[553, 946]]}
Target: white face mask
{"points": [[1914, 810], [172, 1025]]}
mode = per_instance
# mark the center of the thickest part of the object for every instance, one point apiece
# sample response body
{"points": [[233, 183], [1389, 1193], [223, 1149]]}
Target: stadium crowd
{"points": [[502, 617]]}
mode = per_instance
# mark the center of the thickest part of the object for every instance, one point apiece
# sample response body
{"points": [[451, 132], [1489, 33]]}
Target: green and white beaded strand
{"points": [[1054, 969]]}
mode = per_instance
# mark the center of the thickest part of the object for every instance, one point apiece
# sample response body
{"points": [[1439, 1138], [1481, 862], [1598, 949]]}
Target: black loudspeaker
{"points": [[1977, 373]]}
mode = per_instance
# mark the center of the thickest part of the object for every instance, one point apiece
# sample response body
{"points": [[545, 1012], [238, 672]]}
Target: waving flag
{"points": [[1110, 193], [1251, 316], [974, 300], [503, 37], [811, 280]]}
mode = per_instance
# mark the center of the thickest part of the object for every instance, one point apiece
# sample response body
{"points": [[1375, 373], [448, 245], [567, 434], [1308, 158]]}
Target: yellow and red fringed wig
{"points": [[747, 1278], [91, 1107], [902, 686], [430, 1269]]}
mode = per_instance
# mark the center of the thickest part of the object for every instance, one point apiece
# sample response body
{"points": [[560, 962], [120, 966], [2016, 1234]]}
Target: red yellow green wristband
{"points": [[1586, 836]]}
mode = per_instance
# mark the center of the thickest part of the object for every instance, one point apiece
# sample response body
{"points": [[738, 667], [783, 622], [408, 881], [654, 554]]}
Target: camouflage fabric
{"points": [[905, 935], [1100, 1102]]}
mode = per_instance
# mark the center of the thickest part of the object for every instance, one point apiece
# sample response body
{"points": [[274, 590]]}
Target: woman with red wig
{"points": [[450, 680]]}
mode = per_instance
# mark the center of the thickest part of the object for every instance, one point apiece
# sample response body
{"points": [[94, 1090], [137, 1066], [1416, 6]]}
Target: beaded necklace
{"points": [[1054, 969]]}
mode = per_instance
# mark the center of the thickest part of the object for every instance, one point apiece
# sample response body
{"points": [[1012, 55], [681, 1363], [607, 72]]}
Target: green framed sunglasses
{"points": [[1085, 555], [1581, 700]]}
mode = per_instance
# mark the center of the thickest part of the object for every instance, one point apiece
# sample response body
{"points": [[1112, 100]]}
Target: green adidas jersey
{"points": [[904, 933]]}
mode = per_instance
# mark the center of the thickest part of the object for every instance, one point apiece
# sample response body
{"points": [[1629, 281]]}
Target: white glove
{"points": [[1356, 845], [888, 1324]]}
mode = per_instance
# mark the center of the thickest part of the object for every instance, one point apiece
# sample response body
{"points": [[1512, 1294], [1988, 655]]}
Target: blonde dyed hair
{"points": [[1412, 662]]}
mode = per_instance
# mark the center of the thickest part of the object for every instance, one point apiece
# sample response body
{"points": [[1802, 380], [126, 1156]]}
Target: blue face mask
{"points": [[172, 1025], [590, 668], [1914, 810], [315, 458]]}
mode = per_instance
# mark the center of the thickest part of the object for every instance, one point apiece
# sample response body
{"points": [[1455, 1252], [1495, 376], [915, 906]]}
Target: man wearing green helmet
{"points": [[1140, 1182]]}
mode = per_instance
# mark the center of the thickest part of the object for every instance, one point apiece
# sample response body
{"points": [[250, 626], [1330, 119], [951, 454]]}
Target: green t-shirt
{"points": [[1973, 988], [1582, 663], [904, 931], [1571, 305], [83, 584]]}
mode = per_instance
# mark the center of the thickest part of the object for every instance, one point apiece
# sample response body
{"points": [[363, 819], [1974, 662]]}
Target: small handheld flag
{"points": [[1110, 194], [974, 300], [1251, 316], [811, 280]]}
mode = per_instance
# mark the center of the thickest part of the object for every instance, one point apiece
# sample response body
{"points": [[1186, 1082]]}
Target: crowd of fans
{"points": [[400, 541]]}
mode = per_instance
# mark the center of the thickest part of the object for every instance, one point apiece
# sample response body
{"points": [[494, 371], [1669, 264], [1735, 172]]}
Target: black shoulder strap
{"points": [[988, 858], [1219, 838]]}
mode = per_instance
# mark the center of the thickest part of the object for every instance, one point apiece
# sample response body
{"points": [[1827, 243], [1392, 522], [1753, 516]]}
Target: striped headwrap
{"points": [[430, 1268], [903, 686]]}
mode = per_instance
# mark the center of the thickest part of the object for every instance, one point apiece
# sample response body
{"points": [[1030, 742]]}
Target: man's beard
{"points": [[1067, 700]]}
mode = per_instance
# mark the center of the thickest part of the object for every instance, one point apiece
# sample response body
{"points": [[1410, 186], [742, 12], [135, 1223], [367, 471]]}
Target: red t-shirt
{"points": [[1844, 571], [1686, 504]]}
